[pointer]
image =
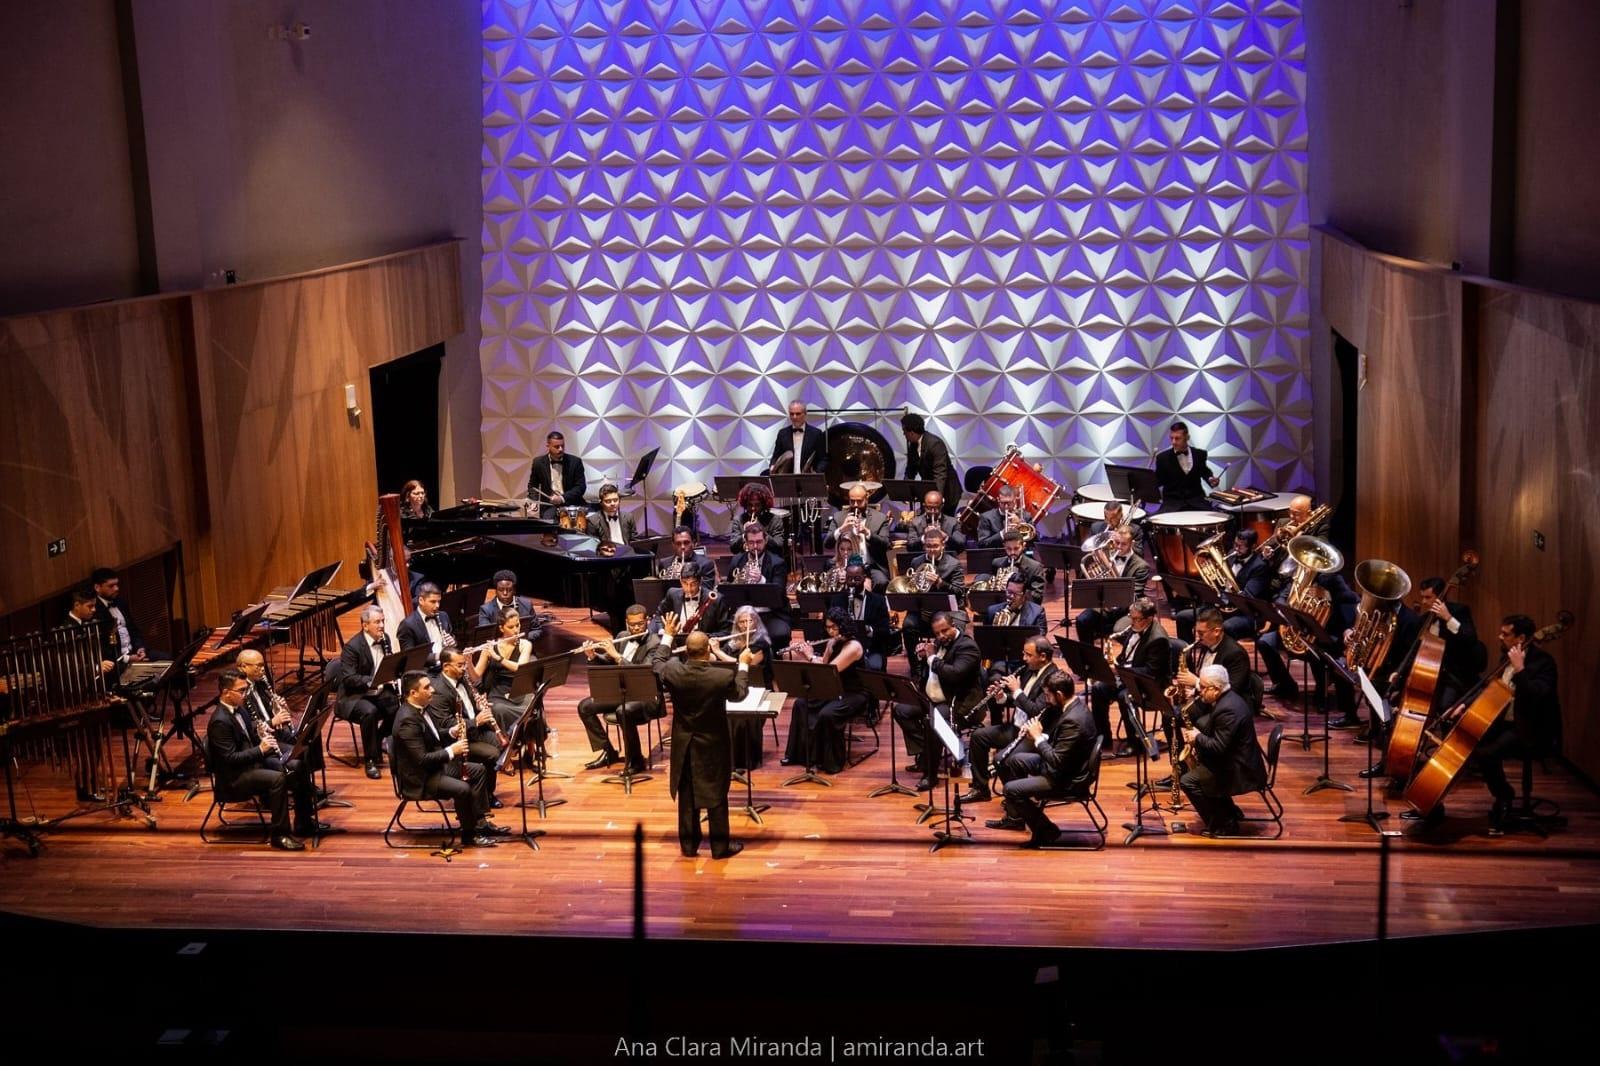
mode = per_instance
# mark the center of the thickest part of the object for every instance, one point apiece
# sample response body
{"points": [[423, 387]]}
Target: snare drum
{"points": [[1175, 536], [692, 491], [1085, 515], [574, 518]]}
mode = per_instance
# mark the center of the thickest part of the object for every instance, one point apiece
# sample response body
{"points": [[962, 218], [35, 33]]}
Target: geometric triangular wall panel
{"points": [[1060, 224]]}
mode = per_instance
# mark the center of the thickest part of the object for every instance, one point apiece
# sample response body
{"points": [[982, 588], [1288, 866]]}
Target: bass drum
{"points": [[857, 452]]}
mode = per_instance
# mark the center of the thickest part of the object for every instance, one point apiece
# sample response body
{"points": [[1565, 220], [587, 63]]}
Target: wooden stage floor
{"points": [[827, 864]]}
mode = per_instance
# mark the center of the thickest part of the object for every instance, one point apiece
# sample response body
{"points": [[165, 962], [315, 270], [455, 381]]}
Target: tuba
{"points": [[1214, 569], [1311, 556], [1383, 585], [1097, 563]]}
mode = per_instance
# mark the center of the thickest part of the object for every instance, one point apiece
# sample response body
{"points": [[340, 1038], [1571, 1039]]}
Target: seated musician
{"points": [[631, 647], [556, 478], [430, 763], [1140, 645], [1275, 549], [933, 514], [1343, 600], [1180, 470], [123, 643], [799, 448], [869, 610], [1053, 755], [1015, 698], [265, 706], [868, 526], [1006, 514], [427, 624], [1117, 515], [81, 613], [746, 631], [684, 557], [755, 503], [1254, 577], [1222, 757], [758, 564], [694, 608], [1016, 609], [1530, 726], [414, 501], [371, 709], [454, 694], [494, 670], [505, 599], [245, 763], [817, 727], [1094, 623], [1213, 646], [935, 570], [1464, 656], [953, 667], [1015, 545]]}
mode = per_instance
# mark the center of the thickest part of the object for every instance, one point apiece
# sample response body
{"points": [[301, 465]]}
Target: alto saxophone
{"points": [[1180, 761]]}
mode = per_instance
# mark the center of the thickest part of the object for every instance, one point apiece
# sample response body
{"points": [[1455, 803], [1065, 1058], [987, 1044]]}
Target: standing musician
{"points": [[1094, 623], [1253, 574], [746, 631], [81, 613], [954, 670], [867, 525], [1014, 544], [615, 530], [1222, 757], [372, 709], [928, 459], [1005, 515], [691, 608], [1052, 757], [557, 479], [431, 764], [755, 504], [684, 558], [123, 643], [933, 513], [632, 647], [246, 762], [427, 624], [495, 669], [505, 599], [941, 572], [701, 762], [757, 565], [1180, 470], [453, 697], [1343, 601], [1023, 693], [1016, 609], [799, 448], [1141, 645], [868, 610], [817, 727]]}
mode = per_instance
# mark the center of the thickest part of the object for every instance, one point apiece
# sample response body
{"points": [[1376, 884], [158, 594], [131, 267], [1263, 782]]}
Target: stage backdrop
{"points": [[1060, 224]]}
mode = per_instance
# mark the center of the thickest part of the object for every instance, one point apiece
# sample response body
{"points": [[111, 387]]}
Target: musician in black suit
{"points": [[683, 557], [692, 602], [1054, 756], [1015, 546], [870, 528], [1006, 513], [755, 503], [1016, 609], [799, 448], [1140, 645], [1180, 470], [83, 611], [1341, 613], [427, 624], [246, 763], [430, 763], [615, 530], [453, 694], [116, 621], [1530, 726], [632, 647], [1093, 623], [1011, 696], [947, 575], [702, 756], [928, 459], [869, 610], [371, 709], [505, 599], [85, 770], [933, 513], [773, 570], [1464, 656], [954, 671], [1212, 645], [1224, 760], [1117, 516], [556, 474], [264, 705], [1252, 573]]}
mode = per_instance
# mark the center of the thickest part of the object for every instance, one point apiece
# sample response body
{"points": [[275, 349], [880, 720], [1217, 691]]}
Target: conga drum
{"points": [[1174, 537]]}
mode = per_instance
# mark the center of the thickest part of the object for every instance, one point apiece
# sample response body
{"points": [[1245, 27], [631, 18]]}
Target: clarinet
{"points": [[266, 729], [481, 701]]}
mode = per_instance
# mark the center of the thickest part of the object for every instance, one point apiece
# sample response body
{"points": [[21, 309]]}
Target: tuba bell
{"points": [[1311, 556], [1383, 585], [1214, 569]]}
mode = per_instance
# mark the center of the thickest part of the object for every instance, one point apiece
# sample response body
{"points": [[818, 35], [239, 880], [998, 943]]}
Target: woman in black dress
{"points": [[495, 668], [817, 727]]}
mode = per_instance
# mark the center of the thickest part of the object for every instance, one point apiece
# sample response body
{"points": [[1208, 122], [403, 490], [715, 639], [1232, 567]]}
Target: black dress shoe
{"points": [[1284, 692], [372, 771], [1007, 822], [913, 768], [972, 795], [1375, 770], [308, 830], [492, 829], [733, 849], [926, 784], [638, 766], [1346, 723], [601, 761], [495, 804], [480, 841], [686, 853], [87, 796], [786, 761], [1042, 841], [287, 843]]}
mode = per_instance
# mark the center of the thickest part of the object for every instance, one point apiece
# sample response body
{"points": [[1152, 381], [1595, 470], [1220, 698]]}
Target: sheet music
{"points": [[754, 700], [1374, 701]]}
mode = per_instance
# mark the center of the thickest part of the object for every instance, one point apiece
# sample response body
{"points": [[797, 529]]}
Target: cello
{"points": [[1482, 708], [1422, 680]]}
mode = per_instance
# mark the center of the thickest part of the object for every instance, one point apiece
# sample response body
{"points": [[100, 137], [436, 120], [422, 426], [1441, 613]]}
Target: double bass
{"points": [[1415, 708]]}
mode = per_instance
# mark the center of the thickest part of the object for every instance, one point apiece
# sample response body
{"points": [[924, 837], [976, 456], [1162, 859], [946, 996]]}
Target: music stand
{"points": [[1188, 590], [318, 708], [727, 487], [1334, 672], [814, 629], [813, 603], [1002, 643], [980, 600], [519, 740], [982, 560], [767, 599], [1058, 555], [648, 592], [1280, 614], [1086, 661], [246, 620], [818, 682], [909, 490], [1146, 693], [921, 602], [417, 657], [951, 755], [880, 687], [315, 579], [1132, 482], [641, 472], [1380, 713], [464, 603], [798, 486], [1103, 594], [619, 686], [535, 678]]}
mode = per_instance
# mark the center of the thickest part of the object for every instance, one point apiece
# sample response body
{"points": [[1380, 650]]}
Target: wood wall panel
{"points": [[94, 442]]}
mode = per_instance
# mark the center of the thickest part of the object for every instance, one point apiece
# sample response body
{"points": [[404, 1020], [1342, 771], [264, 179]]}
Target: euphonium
{"points": [[1214, 568], [1311, 556], [1383, 585], [1097, 564]]}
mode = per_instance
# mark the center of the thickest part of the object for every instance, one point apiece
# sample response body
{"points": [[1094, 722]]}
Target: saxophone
{"points": [[1180, 761]]}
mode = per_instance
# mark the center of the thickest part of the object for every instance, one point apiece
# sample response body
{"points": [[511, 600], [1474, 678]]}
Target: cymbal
{"points": [[870, 486]]}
